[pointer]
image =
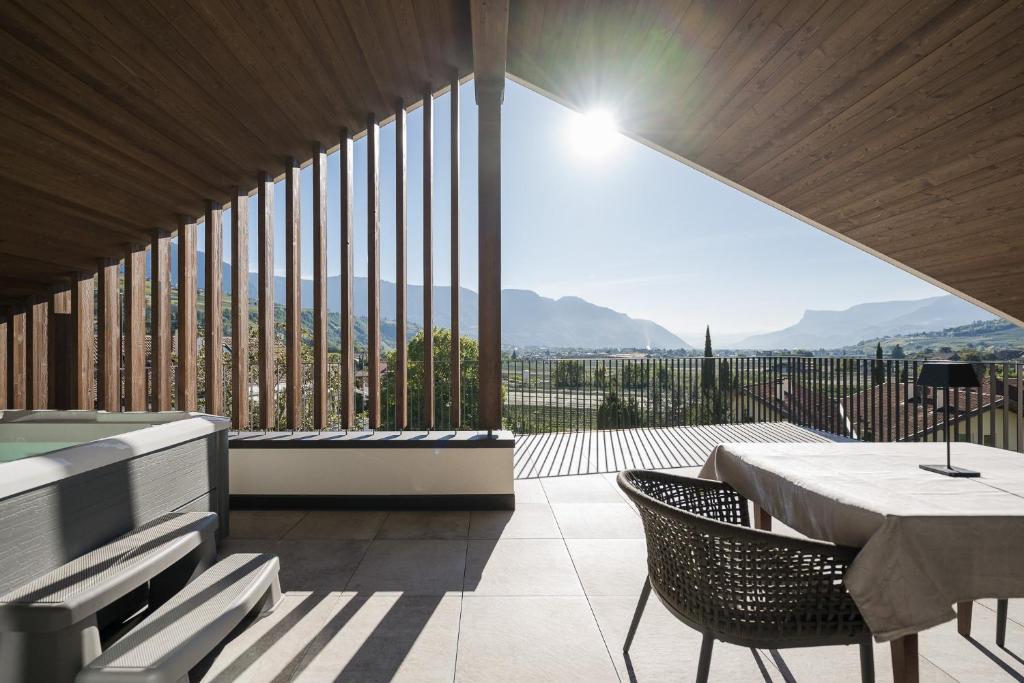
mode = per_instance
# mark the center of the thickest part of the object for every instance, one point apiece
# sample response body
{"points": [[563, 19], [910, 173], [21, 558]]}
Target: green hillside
{"points": [[990, 339]]}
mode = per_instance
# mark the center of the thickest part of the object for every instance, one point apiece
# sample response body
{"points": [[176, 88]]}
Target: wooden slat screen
{"points": [[37, 349], [109, 326], [82, 319], [213, 322], [345, 201], [187, 316], [428, 260], [373, 269], [240, 310], [455, 372], [401, 265], [160, 254], [320, 312], [293, 309], [135, 328]]}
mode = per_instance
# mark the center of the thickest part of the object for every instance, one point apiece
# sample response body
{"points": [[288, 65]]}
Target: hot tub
{"points": [[73, 480]]}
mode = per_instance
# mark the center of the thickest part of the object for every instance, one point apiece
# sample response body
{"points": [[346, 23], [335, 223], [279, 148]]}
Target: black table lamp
{"points": [[944, 375]]}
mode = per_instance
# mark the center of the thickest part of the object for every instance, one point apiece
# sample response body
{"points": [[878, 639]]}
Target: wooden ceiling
{"points": [[898, 126], [120, 116]]}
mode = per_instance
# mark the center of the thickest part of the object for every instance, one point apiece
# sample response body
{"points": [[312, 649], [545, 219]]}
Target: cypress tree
{"points": [[707, 379], [878, 368]]}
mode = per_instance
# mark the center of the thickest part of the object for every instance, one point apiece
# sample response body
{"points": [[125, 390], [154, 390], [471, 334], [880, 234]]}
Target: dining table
{"points": [[926, 541]]}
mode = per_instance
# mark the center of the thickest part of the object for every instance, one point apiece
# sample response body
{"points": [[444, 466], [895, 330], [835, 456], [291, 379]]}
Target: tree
{"points": [[898, 353], [878, 367], [569, 374], [707, 375], [616, 413]]}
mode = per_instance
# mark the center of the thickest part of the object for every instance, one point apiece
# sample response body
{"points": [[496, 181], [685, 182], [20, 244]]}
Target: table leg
{"points": [[904, 659], [964, 611], [762, 520]]}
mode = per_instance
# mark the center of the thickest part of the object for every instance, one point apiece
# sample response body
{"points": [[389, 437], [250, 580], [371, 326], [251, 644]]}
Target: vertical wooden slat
{"points": [[109, 323], [187, 315], [319, 287], [347, 335], [83, 322], [428, 259], [489, 98], [265, 319], [213, 323], [240, 310], [4, 361], [293, 304], [401, 263], [373, 268], [60, 351], [37, 349], [135, 328], [160, 256], [456, 361], [17, 391]]}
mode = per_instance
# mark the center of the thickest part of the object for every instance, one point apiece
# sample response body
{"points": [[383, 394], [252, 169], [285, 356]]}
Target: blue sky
{"points": [[629, 228]]}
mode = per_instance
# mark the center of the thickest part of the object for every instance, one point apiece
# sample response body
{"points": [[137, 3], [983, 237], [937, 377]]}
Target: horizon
{"points": [[571, 217]]}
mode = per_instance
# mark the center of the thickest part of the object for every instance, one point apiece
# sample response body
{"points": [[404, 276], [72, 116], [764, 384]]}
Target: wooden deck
{"points": [[595, 452]]}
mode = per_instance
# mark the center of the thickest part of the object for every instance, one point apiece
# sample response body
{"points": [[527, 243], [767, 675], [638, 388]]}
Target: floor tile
{"points": [[665, 649], [597, 520], [230, 546], [263, 523], [425, 524], [586, 489], [356, 524], [318, 565], [383, 638], [529, 491], [977, 658], [528, 520], [531, 639], [412, 568], [270, 648], [610, 566], [520, 567], [842, 664]]}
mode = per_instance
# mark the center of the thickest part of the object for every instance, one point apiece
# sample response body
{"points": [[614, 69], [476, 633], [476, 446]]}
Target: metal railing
{"points": [[865, 399]]}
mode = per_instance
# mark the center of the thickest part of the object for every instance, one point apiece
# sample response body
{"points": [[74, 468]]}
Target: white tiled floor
{"points": [[542, 594]]}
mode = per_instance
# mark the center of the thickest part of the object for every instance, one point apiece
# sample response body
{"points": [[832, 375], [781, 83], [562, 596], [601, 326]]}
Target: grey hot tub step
{"points": [[177, 636]]}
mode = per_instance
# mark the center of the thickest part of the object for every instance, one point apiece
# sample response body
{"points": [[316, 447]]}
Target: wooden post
{"points": [[109, 323], [293, 303], [83, 320], [345, 201], [187, 315], [240, 310], [373, 268], [61, 350], [401, 262], [4, 361], [489, 23], [905, 659], [135, 328], [456, 360], [213, 323], [265, 319], [37, 350], [319, 287], [160, 255], [428, 259], [17, 391]]}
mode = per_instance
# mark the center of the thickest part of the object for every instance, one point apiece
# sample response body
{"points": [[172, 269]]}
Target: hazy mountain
{"points": [[833, 329], [528, 319]]}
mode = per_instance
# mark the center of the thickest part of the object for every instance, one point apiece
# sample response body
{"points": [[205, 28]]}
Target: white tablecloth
{"points": [[927, 541]]}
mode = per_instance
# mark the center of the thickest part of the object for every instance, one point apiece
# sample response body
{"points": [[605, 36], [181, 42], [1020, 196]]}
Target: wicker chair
{"points": [[736, 584]]}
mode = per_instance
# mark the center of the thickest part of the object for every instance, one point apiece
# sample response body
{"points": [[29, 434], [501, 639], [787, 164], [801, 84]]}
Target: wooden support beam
{"points": [[61, 350], [455, 371], [240, 310], [4, 361], [489, 23], [293, 292], [373, 268], [109, 327], [187, 315], [265, 320], [346, 201], [83, 320], [213, 322], [319, 287], [17, 389], [37, 349], [160, 255], [135, 328], [428, 258], [401, 266]]}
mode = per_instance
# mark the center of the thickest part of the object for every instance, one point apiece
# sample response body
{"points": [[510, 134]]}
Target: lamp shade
{"points": [[948, 374]]}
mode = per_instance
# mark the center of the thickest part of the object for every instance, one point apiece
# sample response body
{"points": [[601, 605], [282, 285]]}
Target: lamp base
{"points": [[950, 471]]}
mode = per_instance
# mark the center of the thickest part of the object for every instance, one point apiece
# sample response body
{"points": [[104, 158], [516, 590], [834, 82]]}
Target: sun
{"points": [[593, 134]]}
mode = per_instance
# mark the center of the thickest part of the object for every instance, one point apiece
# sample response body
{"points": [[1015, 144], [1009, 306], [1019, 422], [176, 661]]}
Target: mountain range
{"points": [[834, 329], [528, 319]]}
